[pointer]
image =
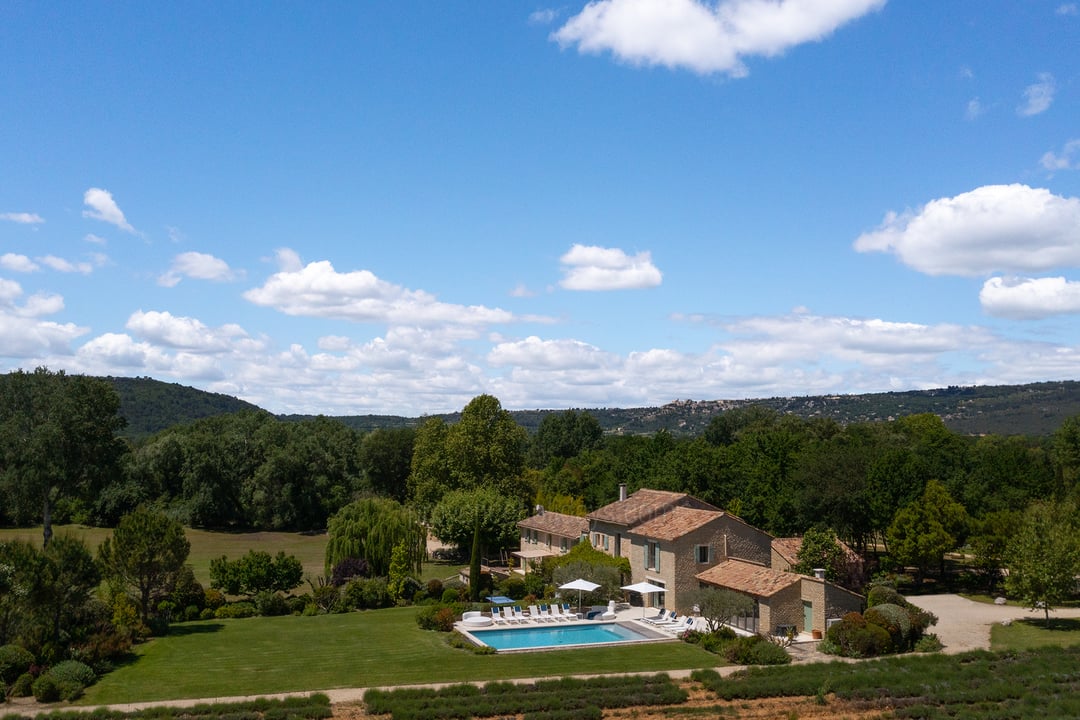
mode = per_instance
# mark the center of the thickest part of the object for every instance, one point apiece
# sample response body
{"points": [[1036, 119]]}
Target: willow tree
{"points": [[370, 529]]}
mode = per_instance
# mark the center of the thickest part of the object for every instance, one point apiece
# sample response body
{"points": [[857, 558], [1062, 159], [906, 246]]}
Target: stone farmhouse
{"points": [[681, 543]]}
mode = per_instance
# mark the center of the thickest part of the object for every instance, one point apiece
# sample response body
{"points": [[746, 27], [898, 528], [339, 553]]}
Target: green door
{"points": [[808, 615]]}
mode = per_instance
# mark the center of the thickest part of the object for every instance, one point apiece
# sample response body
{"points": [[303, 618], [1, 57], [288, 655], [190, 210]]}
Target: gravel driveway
{"points": [[965, 625]]}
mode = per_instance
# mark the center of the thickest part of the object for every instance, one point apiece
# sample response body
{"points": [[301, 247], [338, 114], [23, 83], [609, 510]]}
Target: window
{"points": [[596, 540], [652, 555], [563, 546], [606, 548], [702, 554]]}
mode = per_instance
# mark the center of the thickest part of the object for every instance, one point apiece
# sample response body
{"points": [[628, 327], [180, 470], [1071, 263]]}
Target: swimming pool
{"points": [[552, 637]]}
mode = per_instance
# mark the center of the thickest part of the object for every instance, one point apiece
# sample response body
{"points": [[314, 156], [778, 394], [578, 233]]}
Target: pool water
{"points": [[554, 636]]}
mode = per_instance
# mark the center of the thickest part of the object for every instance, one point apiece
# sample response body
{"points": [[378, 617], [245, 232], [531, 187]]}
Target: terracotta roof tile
{"points": [[675, 523], [571, 526], [643, 505], [787, 548], [749, 578]]}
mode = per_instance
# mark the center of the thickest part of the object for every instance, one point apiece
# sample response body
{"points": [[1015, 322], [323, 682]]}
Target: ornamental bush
{"points": [[883, 594], [23, 686], [896, 622], [14, 661], [438, 617], [46, 689], [73, 671]]}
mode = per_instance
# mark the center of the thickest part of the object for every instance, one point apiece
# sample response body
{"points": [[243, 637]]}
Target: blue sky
{"points": [[349, 208]]}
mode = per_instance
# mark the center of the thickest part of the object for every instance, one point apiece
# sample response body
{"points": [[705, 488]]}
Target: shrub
{"points": [[755, 650], [457, 640], [895, 620], [348, 569], [513, 586], [73, 671], [270, 604], [102, 649], [46, 689], [928, 643], [881, 594], [366, 594], [207, 614], [437, 617], [23, 686], [241, 609], [14, 661], [434, 588], [214, 598], [451, 595], [853, 636]]}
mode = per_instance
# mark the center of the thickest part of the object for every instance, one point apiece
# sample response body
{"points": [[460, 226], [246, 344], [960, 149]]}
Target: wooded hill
{"points": [[1034, 410]]}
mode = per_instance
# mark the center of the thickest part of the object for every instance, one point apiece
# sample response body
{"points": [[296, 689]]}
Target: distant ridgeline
{"points": [[1036, 409]]}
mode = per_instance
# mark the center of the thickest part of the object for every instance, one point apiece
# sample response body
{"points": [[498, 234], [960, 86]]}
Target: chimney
{"points": [[622, 491], [819, 573]]}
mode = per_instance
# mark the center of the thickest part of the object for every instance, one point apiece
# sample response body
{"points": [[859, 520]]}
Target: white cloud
{"points": [[532, 352], [17, 263], [1005, 228], [23, 218], [200, 266], [1069, 159], [588, 267], [974, 110], [521, 291], [705, 37], [1070, 9], [317, 290], [95, 239], [163, 328], [104, 208], [66, 266], [1038, 96], [288, 260], [23, 331], [1030, 298], [543, 17]]}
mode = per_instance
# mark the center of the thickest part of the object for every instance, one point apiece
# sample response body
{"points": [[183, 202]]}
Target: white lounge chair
{"points": [[671, 617], [536, 615], [679, 626], [497, 616], [660, 615], [556, 614], [519, 615], [568, 612], [609, 614]]}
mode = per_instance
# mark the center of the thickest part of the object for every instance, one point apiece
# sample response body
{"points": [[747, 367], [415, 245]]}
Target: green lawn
{"points": [[361, 649], [1029, 634], [309, 548]]}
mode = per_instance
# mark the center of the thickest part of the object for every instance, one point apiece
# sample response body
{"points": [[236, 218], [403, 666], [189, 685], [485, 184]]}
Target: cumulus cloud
{"points": [[705, 37], [17, 263], [24, 333], [200, 266], [102, 207], [163, 328], [1038, 96], [23, 218], [1030, 298], [535, 353], [95, 239], [1004, 228], [66, 266], [588, 267], [1068, 159], [1070, 9], [318, 290]]}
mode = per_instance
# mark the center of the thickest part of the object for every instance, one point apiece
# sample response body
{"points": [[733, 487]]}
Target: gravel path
{"points": [[965, 625]]}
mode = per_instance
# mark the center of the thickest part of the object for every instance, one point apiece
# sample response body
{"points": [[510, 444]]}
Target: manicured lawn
{"points": [[1027, 634], [361, 649]]}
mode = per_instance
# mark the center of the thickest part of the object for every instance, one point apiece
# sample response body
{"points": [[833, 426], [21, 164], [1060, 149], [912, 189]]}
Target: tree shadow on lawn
{"points": [[1056, 624], [195, 629]]}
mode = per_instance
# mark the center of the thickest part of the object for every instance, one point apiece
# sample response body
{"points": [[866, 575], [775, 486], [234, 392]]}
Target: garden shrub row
{"points": [[740, 650], [545, 699], [978, 685], [309, 707]]}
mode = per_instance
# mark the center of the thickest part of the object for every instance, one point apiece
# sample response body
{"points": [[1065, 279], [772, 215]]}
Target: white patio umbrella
{"points": [[644, 588], [581, 585]]}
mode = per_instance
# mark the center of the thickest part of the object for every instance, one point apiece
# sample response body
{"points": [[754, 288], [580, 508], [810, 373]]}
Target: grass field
{"points": [[360, 649], [309, 548], [1028, 634]]}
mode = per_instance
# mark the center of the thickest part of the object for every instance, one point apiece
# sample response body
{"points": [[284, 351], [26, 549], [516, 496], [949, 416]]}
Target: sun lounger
{"points": [[671, 617], [568, 612], [519, 615], [679, 626], [660, 615], [497, 616], [536, 615], [556, 614]]}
